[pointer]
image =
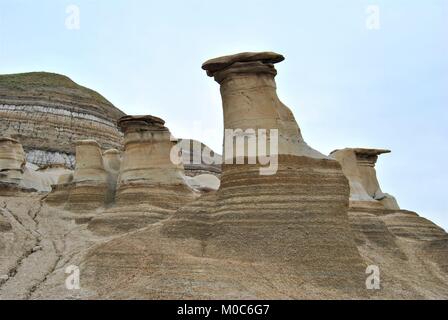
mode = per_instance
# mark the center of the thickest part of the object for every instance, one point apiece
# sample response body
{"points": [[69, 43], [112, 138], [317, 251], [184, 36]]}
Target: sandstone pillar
{"points": [[60, 191], [358, 165], [147, 173], [295, 218], [12, 161], [150, 186], [112, 163], [89, 189]]}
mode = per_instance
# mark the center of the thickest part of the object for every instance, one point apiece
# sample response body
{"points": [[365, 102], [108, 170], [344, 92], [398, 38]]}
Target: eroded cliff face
{"points": [[285, 235], [199, 159], [405, 245], [138, 227], [250, 101], [47, 113]]}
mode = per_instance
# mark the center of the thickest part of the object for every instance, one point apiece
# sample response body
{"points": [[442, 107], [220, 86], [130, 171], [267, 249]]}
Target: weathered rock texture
{"points": [[16, 174], [47, 113], [90, 186], [199, 159], [250, 100], [36, 245], [147, 162], [359, 167], [404, 245], [112, 163], [285, 234], [150, 185], [411, 252], [12, 161]]}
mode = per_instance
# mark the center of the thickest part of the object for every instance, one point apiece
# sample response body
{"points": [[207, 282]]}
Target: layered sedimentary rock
{"points": [[251, 102], [16, 174], [299, 201], [151, 185], [47, 113], [203, 182], [89, 188], [12, 156], [277, 227], [358, 165], [12, 161], [199, 159], [148, 173], [5, 225], [290, 226], [112, 163], [60, 190], [54, 173], [410, 252], [399, 242]]}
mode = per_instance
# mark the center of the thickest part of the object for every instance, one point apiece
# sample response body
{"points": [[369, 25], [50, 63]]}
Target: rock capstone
{"points": [[151, 186]]}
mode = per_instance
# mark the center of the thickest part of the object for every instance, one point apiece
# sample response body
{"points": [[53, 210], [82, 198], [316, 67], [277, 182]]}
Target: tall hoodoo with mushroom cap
{"points": [[296, 217]]}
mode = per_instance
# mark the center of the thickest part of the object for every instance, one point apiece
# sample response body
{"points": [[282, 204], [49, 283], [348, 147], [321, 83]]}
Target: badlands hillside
{"points": [[115, 199]]}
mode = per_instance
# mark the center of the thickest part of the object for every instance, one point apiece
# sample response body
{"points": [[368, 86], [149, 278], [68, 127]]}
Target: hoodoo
{"points": [[290, 227], [18, 175], [89, 187], [112, 163], [250, 100], [284, 221], [150, 185], [386, 235], [358, 165], [297, 216], [148, 174]]}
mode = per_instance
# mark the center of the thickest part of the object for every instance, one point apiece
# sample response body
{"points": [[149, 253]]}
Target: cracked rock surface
{"points": [[36, 249]]}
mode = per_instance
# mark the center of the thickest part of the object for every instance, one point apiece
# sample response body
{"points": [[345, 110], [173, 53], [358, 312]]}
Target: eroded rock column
{"points": [[148, 173], [250, 101], [295, 217], [89, 190], [358, 165], [12, 161], [150, 185]]}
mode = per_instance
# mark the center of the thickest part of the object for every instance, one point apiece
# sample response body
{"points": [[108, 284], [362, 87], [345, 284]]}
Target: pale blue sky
{"points": [[347, 86]]}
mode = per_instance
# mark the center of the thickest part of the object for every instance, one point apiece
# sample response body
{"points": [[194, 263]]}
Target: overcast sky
{"points": [[350, 79]]}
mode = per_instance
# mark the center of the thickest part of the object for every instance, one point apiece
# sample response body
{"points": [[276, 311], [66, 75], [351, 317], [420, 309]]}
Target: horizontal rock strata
{"points": [[401, 243], [49, 112], [257, 236], [150, 186], [199, 159], [358, 165], [89, 190], [285, 222]]}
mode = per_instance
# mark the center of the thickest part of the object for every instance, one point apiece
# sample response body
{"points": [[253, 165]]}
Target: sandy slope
{"points": [[37, 243]]}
